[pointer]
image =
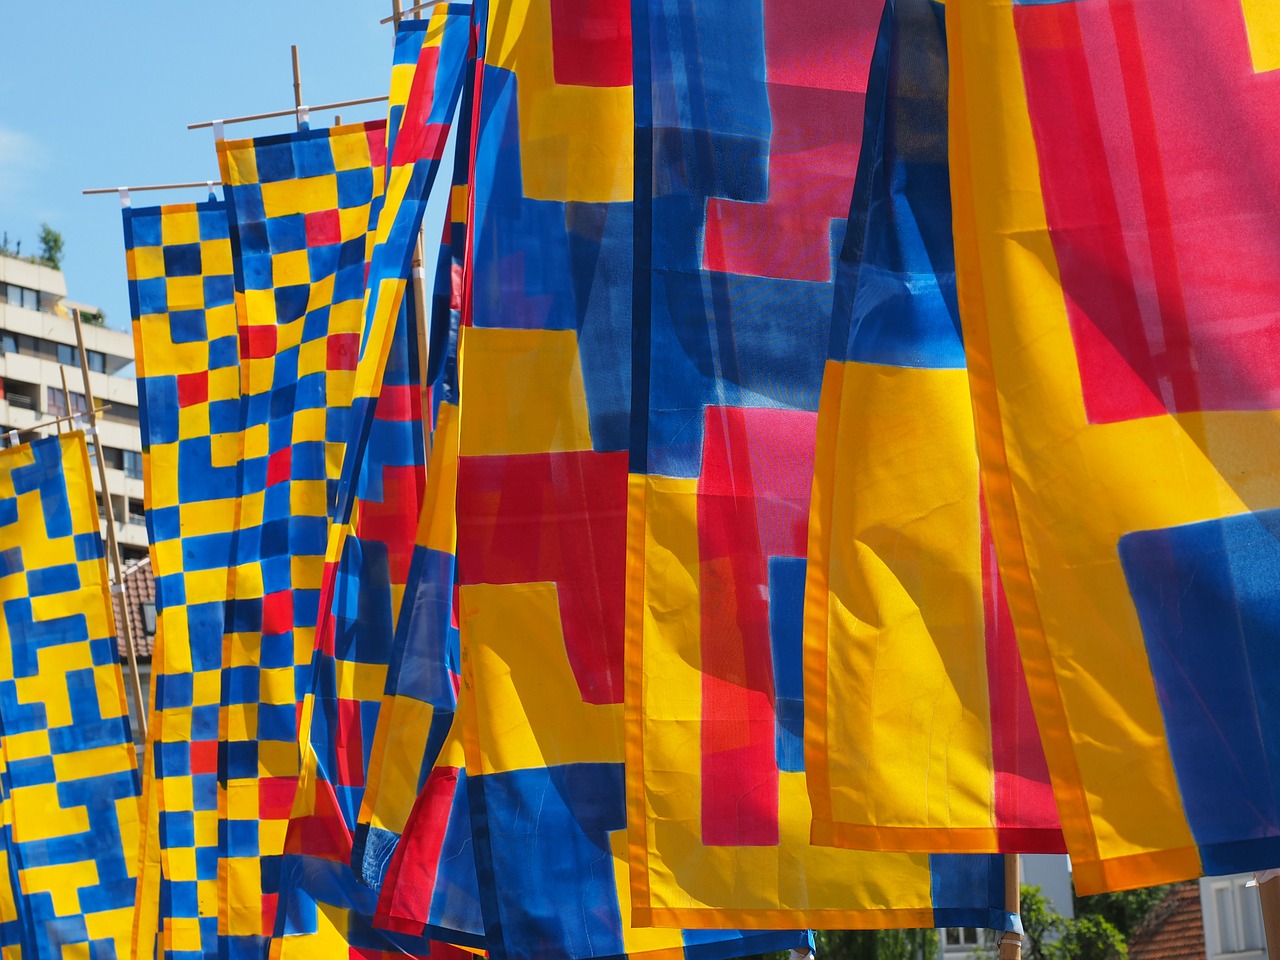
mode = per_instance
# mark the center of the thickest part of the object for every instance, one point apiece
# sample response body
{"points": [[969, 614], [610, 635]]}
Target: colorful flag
{"points": [[300, 205], [542, 491], [918, 726], [68, 771], [1116, 209], [371, 540], [743, 186], [186, 347]]}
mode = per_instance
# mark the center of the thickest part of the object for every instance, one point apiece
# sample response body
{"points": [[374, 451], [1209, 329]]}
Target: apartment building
{"points": [[38, 346]]}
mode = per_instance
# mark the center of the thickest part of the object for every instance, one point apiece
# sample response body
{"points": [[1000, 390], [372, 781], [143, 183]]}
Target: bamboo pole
{"points": [[399, 15], [155, 186], [419, 275], [55, 422], [1011, 942], [1269, 894], [313, 108], [297, 85], [113, 546]]}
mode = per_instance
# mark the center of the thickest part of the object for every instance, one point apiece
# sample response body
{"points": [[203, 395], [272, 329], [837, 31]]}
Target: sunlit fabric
{"points": [[186, 348], [69, 791], [1116, 209], [742, 192], [541, 495], [918, 728], [371, 540]]}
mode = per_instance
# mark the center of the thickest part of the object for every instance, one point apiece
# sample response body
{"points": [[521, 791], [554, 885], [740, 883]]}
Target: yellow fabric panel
{"points": [[676, 879], [1263, 20], [517, 666], [1063, 491], [544, 406], [575, 142], [438, 530], [900, 736]]}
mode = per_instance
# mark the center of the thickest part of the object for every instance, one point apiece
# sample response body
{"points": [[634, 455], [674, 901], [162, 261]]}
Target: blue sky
{"points": [[100, 95]]}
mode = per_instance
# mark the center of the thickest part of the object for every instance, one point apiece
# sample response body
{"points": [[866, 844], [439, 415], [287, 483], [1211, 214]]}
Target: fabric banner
{"points": [[186, 348], [541, 499], [750, 119], [69, 790], [918, 727], [1115, 216], [299, 207], [371, 541]]}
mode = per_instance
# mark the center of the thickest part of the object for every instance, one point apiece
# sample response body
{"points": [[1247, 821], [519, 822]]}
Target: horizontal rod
{"points": [[414, 9], [54, 423], [157, 186], [286, 113]]}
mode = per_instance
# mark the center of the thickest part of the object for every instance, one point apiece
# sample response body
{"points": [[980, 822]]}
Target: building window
{"points": [[1239, 914], [22, 297], [97, 361], [8, 343], [58, 402], [136, 512], [68, 355], [966, 941], [132, 464], [121, 411]]}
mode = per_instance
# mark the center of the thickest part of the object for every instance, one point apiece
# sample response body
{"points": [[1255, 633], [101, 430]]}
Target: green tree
{"points": [[1124, 910], [876, 944], [51, 245], [1051, 936]]}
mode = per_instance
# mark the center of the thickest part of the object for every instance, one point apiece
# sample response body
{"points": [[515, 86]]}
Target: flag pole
{"points": [[1010, 940], [113, 546], [1269, 894], [297, 85]]}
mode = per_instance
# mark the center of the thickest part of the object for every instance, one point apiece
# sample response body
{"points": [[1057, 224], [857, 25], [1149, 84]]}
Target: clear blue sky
{"points": [[97, 94]]}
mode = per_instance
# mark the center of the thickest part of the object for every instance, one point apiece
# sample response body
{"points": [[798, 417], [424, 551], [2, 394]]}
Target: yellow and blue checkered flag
{"points": [[68, 772]]}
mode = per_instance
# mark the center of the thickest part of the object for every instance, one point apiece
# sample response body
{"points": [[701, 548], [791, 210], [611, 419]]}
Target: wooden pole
{"points": [[1269, 894], [419, 275], [113, 546], [297, 84], [1011, 942]]}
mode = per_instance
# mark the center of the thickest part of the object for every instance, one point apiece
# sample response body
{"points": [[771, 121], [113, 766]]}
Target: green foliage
{"points": [[1050, 936], [51, 247], [1124, 910], [877, 944], [97, 318]]}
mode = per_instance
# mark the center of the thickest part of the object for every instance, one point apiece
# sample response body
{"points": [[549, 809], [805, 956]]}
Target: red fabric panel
{"points": [[343, 351], [810, 158], [1167, 255], [411, 877], [192, 388], [1024, 804], [323, 228], [591, 42], [388, 522], [559, 517], [753, 503]]}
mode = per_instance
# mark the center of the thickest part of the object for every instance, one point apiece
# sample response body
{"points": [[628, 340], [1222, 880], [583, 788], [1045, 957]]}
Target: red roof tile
{"points": [[139, 588], [1174, 930]]}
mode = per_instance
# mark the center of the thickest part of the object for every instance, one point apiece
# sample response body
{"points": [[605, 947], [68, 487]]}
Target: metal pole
{"points": [[419, 275], [297, 84], [1011, 942], [113, 546]]}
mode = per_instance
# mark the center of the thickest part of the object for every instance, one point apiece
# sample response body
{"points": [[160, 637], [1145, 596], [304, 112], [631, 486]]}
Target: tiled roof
{"points": [[1174, 930], [139, 588]]}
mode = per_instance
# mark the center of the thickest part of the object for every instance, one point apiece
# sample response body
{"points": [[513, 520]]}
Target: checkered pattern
{"points": [[372, 541], [300, 206], [181, 290], [68, 773]]}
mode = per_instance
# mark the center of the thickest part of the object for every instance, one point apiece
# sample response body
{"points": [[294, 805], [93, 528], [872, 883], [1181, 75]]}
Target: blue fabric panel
{"points": [[1208, 598], [786, 629], [895, 299], [954, 878], [553, 826]]}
